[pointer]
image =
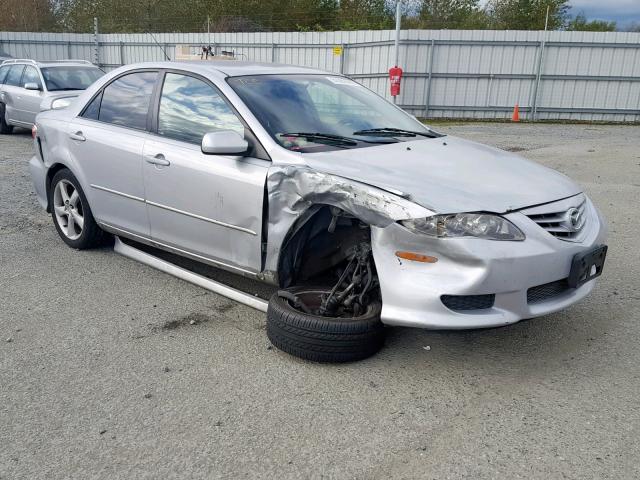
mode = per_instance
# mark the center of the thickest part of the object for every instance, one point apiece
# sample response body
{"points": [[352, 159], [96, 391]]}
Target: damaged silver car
{"points": [[356, 213]]}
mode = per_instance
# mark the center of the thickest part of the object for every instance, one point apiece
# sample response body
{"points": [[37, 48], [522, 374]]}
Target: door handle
{"points": [[157, 159], [77, 136]]}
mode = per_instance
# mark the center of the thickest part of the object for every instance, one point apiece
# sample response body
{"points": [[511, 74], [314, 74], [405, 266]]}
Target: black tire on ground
{"points": [[323, 339], [4, 128], [92, 235]]}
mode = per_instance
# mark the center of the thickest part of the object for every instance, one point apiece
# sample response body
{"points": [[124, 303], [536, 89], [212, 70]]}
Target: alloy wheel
{"points": [[67, 206]]}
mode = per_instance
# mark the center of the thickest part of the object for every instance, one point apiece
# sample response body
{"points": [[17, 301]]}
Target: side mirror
{"points": [[224, 142], [31, 86]]}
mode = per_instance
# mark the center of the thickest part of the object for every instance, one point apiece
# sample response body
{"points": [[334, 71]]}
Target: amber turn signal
{"points": [[416, 257]]}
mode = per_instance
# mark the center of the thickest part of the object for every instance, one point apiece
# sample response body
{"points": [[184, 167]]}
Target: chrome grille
{"points": [[565, 220]]}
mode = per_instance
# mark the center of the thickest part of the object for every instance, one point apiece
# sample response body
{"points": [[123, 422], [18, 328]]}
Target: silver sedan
{"points": [[356, 213]]}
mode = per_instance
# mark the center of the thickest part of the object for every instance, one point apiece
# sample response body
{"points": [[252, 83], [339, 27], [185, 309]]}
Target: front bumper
{"points": [[412, 291]]}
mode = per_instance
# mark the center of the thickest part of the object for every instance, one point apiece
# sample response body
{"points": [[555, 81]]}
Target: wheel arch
{"points": [[3, 113], [311, 231], [51, 172]]}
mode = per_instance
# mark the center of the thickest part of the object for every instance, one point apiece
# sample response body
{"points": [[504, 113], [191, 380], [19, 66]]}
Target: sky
{"points": [[621, 11]]}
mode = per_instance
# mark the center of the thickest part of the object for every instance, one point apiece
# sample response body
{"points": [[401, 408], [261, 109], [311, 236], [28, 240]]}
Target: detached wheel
{"points": [[322, 339], [71, 213], [4, 127]]}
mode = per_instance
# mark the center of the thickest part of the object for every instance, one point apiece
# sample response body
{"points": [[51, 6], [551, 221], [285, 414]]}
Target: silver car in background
{"points": [[354, 211], [27, 87]]}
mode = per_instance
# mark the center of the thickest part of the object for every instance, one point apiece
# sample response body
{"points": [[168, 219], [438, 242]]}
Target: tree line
{"points": [[141, 16]]}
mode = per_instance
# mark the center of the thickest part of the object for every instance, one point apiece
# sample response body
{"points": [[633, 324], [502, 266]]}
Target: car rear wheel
{"points": [[320, 338], [71, 213], [4, 127]]}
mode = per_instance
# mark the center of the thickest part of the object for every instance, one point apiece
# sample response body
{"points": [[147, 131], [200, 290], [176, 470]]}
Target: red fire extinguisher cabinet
{"points": [[395, 75]]}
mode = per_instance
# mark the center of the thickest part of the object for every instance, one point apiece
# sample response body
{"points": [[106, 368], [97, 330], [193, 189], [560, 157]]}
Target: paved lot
{"points": [[105, 377]]}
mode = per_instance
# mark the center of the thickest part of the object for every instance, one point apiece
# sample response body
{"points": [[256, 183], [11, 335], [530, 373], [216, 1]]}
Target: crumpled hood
{"points": [[449, 174]]}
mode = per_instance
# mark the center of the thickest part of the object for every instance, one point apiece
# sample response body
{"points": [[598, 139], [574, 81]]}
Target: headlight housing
{"points": [[477, 225], [60, 103]]}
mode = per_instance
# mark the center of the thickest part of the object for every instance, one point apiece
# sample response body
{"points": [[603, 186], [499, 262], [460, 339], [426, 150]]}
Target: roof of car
{"points": [[49, 63], [230, 68], [233, 68]]}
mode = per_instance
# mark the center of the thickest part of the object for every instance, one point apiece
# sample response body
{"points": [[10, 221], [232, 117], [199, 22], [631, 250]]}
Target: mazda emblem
{"points": [[574, 219]]}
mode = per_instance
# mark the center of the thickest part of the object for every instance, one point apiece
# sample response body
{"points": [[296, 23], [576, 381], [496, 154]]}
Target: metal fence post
{"points": [[69, 50], [121, 53], [343, 58], [96, 45], [273, 52], [429, 76], [536, 86]]}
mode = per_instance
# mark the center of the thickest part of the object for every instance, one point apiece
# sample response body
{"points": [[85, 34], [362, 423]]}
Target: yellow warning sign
{"points": [[337, 51]]}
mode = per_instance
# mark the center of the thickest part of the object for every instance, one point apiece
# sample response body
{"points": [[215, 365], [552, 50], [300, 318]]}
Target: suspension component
{"points": [[349, 294]]}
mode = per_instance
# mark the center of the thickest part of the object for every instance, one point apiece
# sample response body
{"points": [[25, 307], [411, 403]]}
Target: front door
{"points": [[209, 206], [29, 104]]}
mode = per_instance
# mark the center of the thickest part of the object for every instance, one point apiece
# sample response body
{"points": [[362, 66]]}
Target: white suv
{"points": [[25, 84]]}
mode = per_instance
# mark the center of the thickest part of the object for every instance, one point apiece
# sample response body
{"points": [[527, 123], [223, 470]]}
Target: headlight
{"points": [[59, 103], [478, 225]]}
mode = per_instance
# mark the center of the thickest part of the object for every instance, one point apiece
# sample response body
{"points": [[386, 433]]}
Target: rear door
{"points": [[107, 142], [11, 90], [206, 205]]}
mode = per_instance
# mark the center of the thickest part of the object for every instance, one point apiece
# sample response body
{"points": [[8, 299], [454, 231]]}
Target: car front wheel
{"points": [[331, 339], [71, 214]]}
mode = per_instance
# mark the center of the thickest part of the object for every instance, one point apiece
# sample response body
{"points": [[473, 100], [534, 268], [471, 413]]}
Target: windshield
{"points": [[70, 78], [315, 112]]}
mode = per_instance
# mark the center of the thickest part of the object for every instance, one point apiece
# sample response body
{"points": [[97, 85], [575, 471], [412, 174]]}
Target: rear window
{"points": [[70, 78], [14, 75], [92, 111], [125, 101], [3, 73]]}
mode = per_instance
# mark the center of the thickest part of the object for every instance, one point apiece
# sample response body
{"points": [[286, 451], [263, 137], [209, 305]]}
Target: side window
{"points": [[3, 73], [126, 100], [189, 108], [14, 75], [30, 76], [92, 111]]}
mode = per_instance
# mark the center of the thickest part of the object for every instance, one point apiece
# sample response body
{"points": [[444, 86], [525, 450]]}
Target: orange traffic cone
{"points": [[516, 114]]}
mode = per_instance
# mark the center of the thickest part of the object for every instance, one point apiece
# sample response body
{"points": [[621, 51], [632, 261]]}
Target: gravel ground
{"points": [[102, 374]]}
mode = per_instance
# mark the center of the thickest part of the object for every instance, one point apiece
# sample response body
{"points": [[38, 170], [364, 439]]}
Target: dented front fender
{"points": [[293, 189]]}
